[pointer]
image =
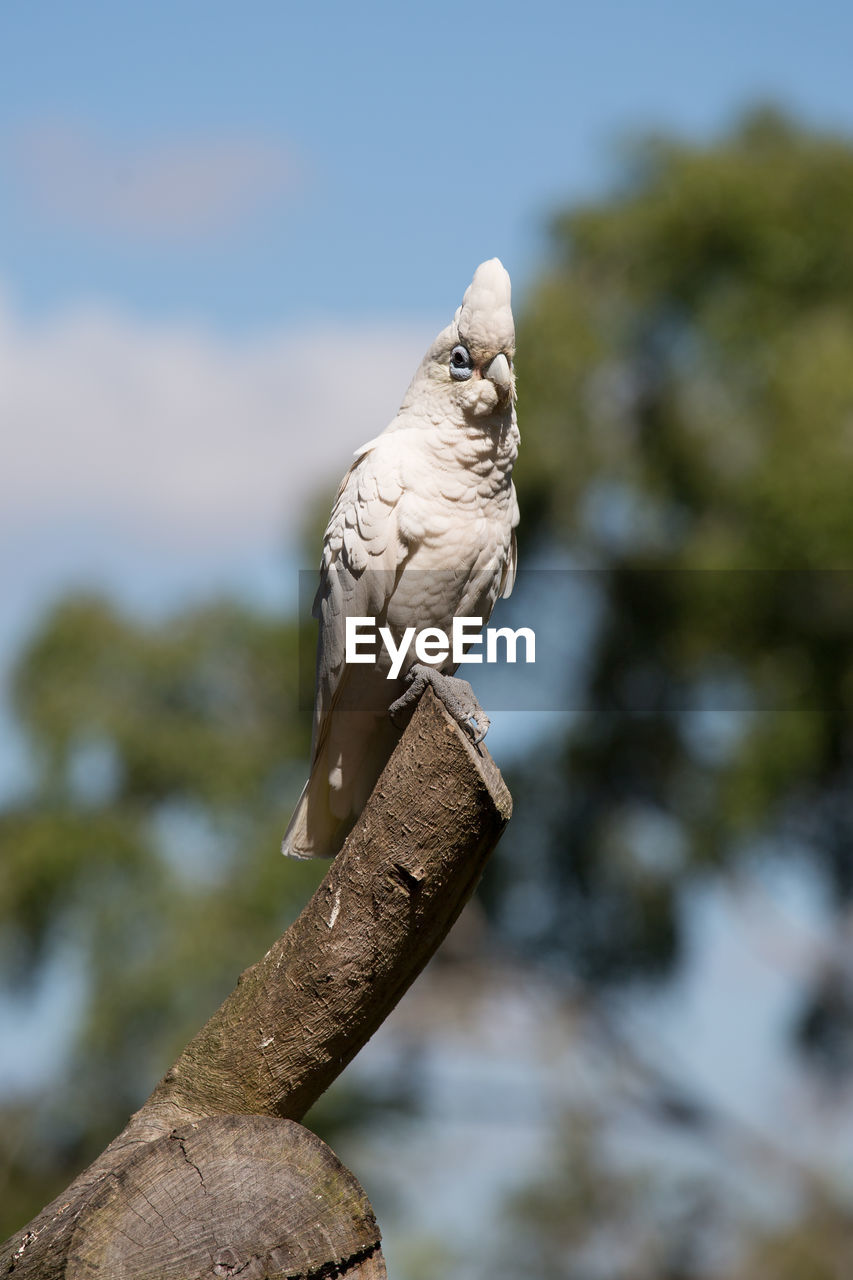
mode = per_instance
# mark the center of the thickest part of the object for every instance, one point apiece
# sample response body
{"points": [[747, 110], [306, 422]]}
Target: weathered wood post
{"points": [[213, 1176]]}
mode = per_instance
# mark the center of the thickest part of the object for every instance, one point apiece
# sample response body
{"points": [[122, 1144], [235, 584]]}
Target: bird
{"points": [[423, 530]]}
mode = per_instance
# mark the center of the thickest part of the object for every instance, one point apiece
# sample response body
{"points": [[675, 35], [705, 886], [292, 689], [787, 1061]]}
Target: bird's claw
{"points": [[456, 694], [472, 727]]}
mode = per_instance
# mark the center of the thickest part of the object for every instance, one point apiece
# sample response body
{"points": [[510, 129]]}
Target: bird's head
{"points": [[471, 360]]}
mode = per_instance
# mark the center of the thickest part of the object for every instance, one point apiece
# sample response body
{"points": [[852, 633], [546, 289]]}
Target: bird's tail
{"points": [[314, 831], [348, 759]]}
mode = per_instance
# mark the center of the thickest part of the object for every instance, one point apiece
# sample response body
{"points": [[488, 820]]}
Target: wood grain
{"points": [[210, 1177]]}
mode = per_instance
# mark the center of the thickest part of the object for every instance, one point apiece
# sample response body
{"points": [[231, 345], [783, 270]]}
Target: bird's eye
{"points": [[461, 364]]}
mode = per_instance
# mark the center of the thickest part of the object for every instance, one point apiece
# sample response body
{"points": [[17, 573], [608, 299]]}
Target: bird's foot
{"points": [[457, 696]]}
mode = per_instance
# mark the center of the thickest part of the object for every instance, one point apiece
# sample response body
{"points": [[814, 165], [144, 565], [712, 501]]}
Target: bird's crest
{"points": [[484, 321]]}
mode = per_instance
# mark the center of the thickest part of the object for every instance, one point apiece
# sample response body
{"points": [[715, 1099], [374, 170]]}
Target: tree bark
{"points": [[211, 1177]]}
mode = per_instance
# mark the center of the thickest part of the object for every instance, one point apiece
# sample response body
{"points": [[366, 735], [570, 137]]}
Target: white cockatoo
{"points": [[422, 531]]}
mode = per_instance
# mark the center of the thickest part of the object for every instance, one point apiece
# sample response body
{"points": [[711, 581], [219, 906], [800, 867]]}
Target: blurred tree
{"points": [[593, 1215], [145, 854], [686, 375]]}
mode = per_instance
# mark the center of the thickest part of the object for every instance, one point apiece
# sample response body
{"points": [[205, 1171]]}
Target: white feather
{"points": [[422, 530]]}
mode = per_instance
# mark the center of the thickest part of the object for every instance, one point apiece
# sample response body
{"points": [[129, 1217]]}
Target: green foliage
{"points": [[816, 1246], [589, 1215], [691, 340], [167, 759], [686, 374]]}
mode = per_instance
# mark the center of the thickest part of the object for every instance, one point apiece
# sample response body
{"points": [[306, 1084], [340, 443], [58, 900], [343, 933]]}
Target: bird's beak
{"points": [[499, 373]]}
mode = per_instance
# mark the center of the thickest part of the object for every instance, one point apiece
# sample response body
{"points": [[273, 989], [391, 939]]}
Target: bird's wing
{"points": [[364, 551], [511, 565]]}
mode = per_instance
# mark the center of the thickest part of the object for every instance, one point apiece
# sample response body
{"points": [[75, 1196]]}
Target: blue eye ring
{"points": [[461, 364]]}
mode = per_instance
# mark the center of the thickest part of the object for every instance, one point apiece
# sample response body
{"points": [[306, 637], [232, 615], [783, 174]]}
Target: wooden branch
{"points": [[199, 1145], [224, 1196]]}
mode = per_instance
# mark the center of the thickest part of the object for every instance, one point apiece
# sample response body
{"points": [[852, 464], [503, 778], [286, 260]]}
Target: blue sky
{"points": [[395, 145]]}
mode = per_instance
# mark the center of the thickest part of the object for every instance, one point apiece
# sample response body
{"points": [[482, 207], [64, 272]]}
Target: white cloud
{"points": [[163, 190], [180, 438]]}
